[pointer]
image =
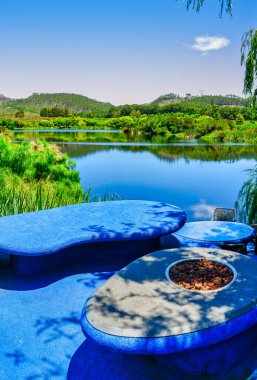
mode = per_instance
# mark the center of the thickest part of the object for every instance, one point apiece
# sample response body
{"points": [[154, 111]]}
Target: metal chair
{"points": [[229, 215], [239, 247], [224, 214]]}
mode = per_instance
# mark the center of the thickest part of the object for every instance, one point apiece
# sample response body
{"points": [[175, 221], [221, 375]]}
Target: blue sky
{"points": [[122, 51]]}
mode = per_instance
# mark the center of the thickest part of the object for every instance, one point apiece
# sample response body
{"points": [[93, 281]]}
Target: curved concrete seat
{"points": [[30, 236], [140, 311]]}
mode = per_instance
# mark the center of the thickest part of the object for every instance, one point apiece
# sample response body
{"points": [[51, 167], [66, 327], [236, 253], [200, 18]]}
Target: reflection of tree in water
{"points": [[246, 203], [193, 151]]}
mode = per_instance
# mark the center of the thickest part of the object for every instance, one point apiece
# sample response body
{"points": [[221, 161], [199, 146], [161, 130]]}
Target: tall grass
{"points": [[42, 196], [106, 197], [36, 176], [37, 196]]}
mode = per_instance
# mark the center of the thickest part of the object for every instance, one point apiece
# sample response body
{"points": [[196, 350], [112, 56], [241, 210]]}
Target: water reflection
{"points": [[198, 180], [92, 136], [229, 153]]}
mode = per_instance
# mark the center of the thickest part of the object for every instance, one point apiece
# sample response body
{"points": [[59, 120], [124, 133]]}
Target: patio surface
{"points": [[41, 336]]}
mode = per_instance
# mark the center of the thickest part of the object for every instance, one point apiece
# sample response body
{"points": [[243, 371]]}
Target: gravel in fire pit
{"points": [[202, 275]]}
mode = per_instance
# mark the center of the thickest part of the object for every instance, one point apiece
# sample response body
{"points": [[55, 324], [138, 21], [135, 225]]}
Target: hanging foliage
{"points": [[249, 60], [225, 5], [247, 199]]}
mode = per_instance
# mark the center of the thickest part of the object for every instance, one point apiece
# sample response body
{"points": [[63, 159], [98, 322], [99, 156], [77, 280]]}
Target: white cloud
{"points": [[204, 44]]}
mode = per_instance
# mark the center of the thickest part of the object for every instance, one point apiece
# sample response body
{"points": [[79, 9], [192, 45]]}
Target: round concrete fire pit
{"points": [[139, 310], [201, 275]]}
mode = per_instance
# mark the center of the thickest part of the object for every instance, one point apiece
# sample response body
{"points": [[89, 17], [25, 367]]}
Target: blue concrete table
{"points": [[140, 311], [217, 232], [176, 241], [96, 231]]}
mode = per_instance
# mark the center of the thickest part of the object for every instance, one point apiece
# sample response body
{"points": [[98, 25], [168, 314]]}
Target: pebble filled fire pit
{"points": [[201, 274]]}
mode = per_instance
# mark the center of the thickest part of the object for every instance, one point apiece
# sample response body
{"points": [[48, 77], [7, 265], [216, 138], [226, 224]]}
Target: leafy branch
{"points": [[225, 5], [249, 60]]}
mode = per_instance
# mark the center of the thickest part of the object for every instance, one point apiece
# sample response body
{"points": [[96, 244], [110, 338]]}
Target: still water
{"points": [[197, 177]]}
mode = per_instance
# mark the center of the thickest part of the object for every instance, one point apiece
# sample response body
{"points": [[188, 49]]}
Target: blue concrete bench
{"points": [[140, 311], [101, 231]]}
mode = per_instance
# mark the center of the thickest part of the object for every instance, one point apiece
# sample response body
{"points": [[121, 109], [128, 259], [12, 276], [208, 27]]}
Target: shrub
{"points": [[240, 119]]}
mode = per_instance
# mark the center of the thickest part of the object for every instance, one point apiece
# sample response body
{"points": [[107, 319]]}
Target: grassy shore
{"points": [[36, 176]]}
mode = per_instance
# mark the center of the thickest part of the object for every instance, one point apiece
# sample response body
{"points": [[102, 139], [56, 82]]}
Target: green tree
{"points": [[45, 112], [116, 113], [240, 119], [215, 112], [57, 111], [19, 113], [249, 59], [135, 113]]}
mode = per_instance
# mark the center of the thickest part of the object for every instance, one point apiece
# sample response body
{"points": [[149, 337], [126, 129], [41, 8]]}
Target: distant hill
{"points": [[79, 103], [3, 99], [74, 102], [167, 99], [219, 100]]}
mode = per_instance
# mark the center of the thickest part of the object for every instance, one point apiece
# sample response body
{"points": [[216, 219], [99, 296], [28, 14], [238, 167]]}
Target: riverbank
{"points": [[204, 128]]}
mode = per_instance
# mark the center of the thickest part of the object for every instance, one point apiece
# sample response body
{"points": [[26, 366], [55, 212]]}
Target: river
{"points": [[195, 176]]}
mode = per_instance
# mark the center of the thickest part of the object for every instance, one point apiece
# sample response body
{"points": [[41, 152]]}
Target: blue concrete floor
{"points": [[41, 337]]}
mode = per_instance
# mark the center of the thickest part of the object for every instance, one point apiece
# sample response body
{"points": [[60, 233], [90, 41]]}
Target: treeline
{"points": [[219, 100], [177, 124], [74, 122], [54, 112], [188, 108], [229, 100]]}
